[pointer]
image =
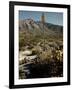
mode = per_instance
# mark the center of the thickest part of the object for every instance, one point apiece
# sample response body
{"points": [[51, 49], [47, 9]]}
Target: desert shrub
{"points": [[35, 51], [45, 56], [21, 75]]}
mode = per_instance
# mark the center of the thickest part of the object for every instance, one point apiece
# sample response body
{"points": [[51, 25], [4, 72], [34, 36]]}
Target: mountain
{"points": [[38, 28]]}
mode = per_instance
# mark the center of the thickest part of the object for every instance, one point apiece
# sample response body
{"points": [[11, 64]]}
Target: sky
{"points": [[50, 17]]}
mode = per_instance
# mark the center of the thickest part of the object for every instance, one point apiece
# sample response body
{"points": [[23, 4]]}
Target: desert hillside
{"points": [[40, 48]]}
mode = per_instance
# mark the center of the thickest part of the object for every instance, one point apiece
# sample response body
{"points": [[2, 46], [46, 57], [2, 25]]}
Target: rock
{"points": [[21, 57], [27, 52], [53, 44], [26, 56], [31, 57]]}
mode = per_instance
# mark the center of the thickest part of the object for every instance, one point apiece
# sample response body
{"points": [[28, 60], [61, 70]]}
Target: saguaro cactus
{"points": [[43, 21]]}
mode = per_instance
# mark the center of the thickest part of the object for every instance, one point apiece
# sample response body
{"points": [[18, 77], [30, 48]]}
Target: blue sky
{"points": [[50, 17]]}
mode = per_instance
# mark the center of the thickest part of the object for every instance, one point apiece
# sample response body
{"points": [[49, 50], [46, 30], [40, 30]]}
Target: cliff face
{"points": [[37, 27]]}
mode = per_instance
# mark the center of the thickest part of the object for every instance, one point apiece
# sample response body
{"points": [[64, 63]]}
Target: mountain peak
{"points": [[37, 27]]}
